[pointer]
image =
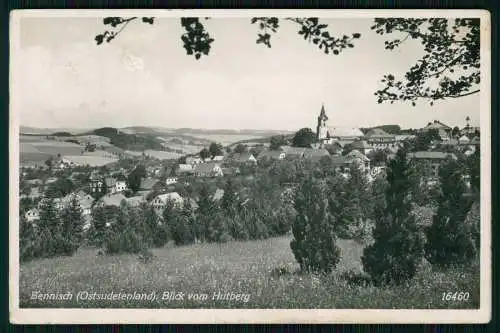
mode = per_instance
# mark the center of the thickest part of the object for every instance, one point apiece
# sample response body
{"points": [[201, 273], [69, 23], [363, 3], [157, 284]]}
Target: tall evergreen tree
{"points": [[73, 223], [29, 247], [98, 226], [314, 243], [228, 201], [398, 246], [204, 213], [449, 239]]}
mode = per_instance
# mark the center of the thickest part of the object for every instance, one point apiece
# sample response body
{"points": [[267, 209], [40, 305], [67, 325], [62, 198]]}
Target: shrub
{"points": [[314, 240]]}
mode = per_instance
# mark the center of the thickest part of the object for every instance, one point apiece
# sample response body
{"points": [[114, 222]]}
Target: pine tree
{"points": [[49, 229], [204, 214], [98, 226], [449, 239], [72, 225], [398, 246], [49, 217], [228, 201], [29, 247], [314, 243]]}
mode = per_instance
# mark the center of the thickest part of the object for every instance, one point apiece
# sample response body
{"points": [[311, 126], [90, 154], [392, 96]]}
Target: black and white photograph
{"points": [[237, 166]]}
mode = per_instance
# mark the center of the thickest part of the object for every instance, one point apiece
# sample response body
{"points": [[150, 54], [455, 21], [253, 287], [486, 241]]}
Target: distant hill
{"points": [[391, 129], [129, 141], [27, 130]]}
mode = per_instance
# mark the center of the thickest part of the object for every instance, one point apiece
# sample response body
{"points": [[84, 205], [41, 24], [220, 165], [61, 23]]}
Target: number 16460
{"points": [[455, 296]]}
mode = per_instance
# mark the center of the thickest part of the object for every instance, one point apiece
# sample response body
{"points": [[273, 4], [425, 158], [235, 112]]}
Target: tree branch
{"points": [[466, 94]]}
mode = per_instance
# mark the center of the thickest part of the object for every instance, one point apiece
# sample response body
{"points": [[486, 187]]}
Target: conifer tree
{"points": [[29, 246], [49, 229], [72, 224], [98, 226], [314, 243], [204, 214], [398, 246], [228, 201], [449, 239]]}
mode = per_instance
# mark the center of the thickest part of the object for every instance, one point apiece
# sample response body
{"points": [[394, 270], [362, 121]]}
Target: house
{"points": [[365, 148], [32, 215], [192, 160], [404, 137], [378, 138], [463, 140], [435, 158], [443, 130], [171, 180], [272, 155], [58, 203], [355, 156], [217, 196], [294, 152], [110, 184], [135, 201], [315, 154], [208, 170], [97, 185], [470, 130], [115, 185], [244, 158], [183, 169], [160, 201], [85, 202], [121, 185], [111, 200], [230, 171], [217, 158]]}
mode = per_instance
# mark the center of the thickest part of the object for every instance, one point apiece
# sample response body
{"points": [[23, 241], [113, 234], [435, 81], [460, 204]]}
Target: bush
{"points": [[127, 241]]}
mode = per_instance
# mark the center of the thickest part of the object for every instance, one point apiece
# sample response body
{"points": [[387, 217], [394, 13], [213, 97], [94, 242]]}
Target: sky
{"points": [[145, 78]]}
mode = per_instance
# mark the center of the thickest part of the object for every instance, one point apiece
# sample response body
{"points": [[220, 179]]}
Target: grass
{"points": [[238, 267]]}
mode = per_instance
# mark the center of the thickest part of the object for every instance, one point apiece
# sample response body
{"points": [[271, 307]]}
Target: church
{"points": [[327, 134]]}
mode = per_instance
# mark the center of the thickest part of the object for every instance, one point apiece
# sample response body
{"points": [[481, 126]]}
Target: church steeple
{"points": [[321, 127], [322, 114]]}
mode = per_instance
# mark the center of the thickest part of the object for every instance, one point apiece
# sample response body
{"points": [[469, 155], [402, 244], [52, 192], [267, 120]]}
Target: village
{"points": [[145, 180]]}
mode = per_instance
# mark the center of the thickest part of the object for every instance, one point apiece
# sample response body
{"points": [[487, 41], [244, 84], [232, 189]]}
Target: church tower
{"points": [[321, 130]]}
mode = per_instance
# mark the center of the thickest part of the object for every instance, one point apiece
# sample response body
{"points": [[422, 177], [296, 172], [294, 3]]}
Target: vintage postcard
{"points": [[250, 166]]}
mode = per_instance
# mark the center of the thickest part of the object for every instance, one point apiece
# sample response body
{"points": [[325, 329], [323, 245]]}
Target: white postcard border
{"points": [[162, 316]]}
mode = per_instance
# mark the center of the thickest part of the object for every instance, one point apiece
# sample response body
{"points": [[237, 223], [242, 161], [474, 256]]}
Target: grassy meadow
{"points": [[239, 267]]}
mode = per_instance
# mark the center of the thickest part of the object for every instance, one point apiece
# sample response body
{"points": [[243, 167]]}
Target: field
{"points": [[93, 161], [237, 267], [162, 155]]}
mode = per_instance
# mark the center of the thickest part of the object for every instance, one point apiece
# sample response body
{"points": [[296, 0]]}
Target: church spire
{"points": [[321, 131], [322, 114]]}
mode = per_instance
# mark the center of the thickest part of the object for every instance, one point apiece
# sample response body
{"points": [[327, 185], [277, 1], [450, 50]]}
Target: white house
{"points": [[218, 158], [32, 215], [192, 160], [120, 185], [135, 201], [185, 168], [161, 200], [355, 156], [208, 170], [272, 154], [171, 180]]}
